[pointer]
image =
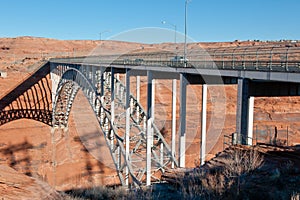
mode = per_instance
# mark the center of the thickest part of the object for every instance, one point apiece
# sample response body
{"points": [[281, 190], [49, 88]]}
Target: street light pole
{"points": [[185, 32]]}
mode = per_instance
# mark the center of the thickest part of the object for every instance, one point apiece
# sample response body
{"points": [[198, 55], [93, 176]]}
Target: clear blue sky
{"points": [[208, 20]]}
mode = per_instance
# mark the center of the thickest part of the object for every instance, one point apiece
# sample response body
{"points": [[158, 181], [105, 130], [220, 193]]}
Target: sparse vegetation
{"points": [[159, 191], [244, 173], [220, 182], [241, 173]]}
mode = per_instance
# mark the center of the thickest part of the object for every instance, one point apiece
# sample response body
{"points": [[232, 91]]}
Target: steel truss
{"points": [[96, 86]]}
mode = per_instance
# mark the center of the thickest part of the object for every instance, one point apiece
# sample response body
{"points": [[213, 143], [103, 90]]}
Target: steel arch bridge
{"points": [[128, 148], [48, 94]]}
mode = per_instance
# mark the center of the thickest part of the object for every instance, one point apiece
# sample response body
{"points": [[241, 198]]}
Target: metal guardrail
{"points": [[284, 58]]}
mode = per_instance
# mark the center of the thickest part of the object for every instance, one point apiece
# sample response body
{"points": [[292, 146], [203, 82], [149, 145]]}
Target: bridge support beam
{"points": [[138, 94], [182, 134], [112, 107], [174, 94], [250, 120], [152, 105], [127, 122], [55, 78], [149, 132], [242, 110], [203, 123]]}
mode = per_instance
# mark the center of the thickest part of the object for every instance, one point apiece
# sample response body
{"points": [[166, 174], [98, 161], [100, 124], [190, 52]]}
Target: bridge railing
{"points": [[284, 57], [252, 65]]}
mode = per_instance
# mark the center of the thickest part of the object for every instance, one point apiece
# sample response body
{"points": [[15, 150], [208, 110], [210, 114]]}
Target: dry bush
{"points": [[241, 162], [111, 193], [97, 193], [216, 184]]}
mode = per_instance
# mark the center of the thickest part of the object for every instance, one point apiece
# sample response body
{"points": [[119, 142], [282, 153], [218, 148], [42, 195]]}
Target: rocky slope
{"points": [[15, 185]]}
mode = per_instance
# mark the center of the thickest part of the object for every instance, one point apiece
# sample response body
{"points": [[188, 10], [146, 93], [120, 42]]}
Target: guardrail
{"points": [[254, 58]]}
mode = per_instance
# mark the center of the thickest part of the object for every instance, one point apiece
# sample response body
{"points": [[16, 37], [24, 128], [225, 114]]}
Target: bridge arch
{"points": [[70, 83], [72, 79]]}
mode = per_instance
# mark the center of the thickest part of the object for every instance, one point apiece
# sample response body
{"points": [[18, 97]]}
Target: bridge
{"points": [[139, 149]]}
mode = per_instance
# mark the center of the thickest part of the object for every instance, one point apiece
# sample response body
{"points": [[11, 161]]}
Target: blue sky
{"points": [[208, 20]]}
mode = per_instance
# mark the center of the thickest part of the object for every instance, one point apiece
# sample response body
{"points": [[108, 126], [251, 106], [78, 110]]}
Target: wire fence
{"points": [[264, 134]]}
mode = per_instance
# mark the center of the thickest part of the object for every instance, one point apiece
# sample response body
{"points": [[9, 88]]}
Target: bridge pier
{"points": [[149, 132], [244, 114], [55, 78], [138, 94], [152, 104], [250, 120], [203, 123], [112, 106], [174, 94], [127, 122], [182, 129]]}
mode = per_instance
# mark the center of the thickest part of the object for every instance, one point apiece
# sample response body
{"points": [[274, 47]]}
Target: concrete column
{"points": [[203, 123], [250, 120], [127, 122], [149, 132], [242, 110], [55, 78], [138, 86], [174, 91], [112, 108], [153, 104], [182, 135]]}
